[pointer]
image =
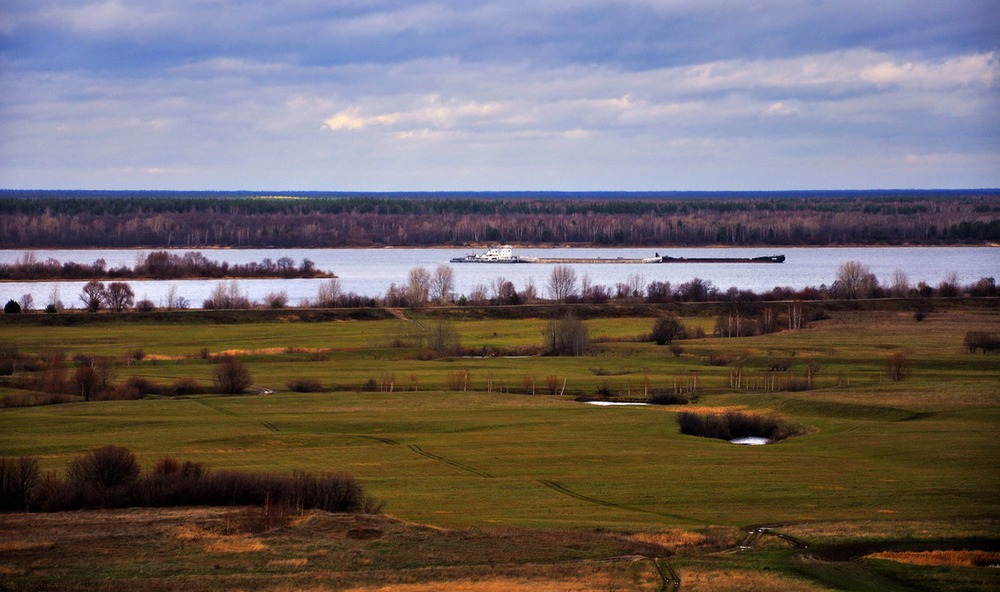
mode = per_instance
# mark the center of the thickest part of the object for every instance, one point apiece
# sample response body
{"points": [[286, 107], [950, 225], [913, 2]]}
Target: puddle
{"points": [[616, 404], [751, 441]]}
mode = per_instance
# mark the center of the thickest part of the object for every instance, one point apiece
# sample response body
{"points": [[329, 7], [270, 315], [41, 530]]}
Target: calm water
{"points": [[370, 272]]}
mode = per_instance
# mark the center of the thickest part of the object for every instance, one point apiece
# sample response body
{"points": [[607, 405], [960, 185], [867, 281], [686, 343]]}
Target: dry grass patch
{"points": [[742, 581], [952, 558], [500, 584], [218, 543]]}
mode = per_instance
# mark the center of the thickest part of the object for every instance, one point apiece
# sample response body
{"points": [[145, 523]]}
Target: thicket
{"points": [[110, 477], [181, 220], [736, 424], [159, 265]]}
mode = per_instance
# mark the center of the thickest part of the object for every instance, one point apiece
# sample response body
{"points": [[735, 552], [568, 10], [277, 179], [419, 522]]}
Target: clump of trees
{"points": [[158, 265], [111, 477], [982, 341], [116, 296], [732, 425]]}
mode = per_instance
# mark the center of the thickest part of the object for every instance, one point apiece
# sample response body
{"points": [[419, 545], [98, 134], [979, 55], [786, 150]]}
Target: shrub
{"points": [[105, 477], [232, 377], [779, 364], [664, 397], [666, 330], [567, 337], [735, 424], [305, 385], [110, 477], [18, 479], [898, 367], [12, 307], [185, 386]]}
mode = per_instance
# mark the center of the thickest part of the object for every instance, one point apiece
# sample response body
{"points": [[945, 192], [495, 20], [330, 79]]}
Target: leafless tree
{"points": [[232, 377], [854, 280], [562, 283], [900, 284], [93, 295], [328, 294], [119, 296], [443, 284], [419, 286], [567, 336]]}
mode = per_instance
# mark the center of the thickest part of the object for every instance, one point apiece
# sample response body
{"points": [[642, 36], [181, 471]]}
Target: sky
{"points": [[493, 95]]}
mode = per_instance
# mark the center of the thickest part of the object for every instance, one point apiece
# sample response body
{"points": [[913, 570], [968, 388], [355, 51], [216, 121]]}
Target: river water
{"points": [[370, 272]]}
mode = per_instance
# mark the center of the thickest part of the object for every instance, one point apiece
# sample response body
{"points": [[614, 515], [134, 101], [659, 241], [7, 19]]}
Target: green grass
{"points": [[882, 460]]}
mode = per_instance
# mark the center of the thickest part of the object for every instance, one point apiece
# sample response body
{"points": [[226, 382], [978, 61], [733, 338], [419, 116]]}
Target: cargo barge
{"points": [[505, 254]]}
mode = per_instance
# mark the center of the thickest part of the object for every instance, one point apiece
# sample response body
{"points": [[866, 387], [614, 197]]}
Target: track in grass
{"points": [[416, 448], [593, 500]]}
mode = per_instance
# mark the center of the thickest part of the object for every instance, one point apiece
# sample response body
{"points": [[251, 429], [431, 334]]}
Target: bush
{"points": [[305, 385], [110, 477], [185, 386], [567, 337], [105, 477], [898, 367], [18, 479], [666, 330], [232, 377], [12, 307], [664, 397], [735, 424]]}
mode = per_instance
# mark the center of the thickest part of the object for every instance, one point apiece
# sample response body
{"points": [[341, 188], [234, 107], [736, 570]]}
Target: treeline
{"points": [[159, 265], [109, 219], [110, 477]]}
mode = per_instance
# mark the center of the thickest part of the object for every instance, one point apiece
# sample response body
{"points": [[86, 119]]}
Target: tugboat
{"points": [[500, 254]]}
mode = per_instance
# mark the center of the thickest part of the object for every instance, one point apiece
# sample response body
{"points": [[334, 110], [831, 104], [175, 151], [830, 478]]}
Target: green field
{"points": [[877, 453]]}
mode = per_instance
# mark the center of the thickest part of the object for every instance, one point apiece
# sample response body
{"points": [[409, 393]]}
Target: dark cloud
{"points": [[186, 93]]}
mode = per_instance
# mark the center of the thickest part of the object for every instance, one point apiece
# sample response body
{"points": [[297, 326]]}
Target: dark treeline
{"points": [[159, 265], [190, 219], [110, 477]]}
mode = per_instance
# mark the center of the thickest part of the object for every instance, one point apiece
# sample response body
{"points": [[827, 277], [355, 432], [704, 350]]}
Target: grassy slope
{"points": [[916, 449]]}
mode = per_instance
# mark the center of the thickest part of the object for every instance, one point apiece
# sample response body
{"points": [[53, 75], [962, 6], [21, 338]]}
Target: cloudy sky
{"points": [[499, 94]]}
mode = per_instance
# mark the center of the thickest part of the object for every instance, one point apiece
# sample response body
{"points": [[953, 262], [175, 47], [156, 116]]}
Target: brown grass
{"points": [[500, 584], [670, 539], [218, 543], [742, 581], [955, 558]]}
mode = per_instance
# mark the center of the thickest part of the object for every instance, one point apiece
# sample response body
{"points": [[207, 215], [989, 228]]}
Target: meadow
{"points": [[477, 443]]}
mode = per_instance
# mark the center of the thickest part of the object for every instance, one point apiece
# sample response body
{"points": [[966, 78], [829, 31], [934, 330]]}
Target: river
{"points": [[370, 272]]}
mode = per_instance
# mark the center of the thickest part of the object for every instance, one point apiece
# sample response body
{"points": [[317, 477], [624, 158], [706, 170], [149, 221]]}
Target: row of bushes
{"points": [[736, 424], [110, 477]]}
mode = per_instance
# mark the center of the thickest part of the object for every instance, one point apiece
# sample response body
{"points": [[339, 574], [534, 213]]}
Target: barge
{"points": [[505, 254]]}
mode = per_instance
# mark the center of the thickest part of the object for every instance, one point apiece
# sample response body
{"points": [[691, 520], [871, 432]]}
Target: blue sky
{"points": [[499, 95]]}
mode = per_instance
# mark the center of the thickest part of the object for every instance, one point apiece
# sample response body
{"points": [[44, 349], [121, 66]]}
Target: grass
{"points": [[883, 460]]}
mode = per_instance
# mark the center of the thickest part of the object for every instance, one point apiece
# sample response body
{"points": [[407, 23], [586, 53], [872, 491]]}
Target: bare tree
{"points": [[567, 336], [854, 280], [443, 284], [119, 296], [900, 284], [27, 303], [93, 295], [418, 288], [232, 377], [328, 295], [898, 366], [562, 283]]}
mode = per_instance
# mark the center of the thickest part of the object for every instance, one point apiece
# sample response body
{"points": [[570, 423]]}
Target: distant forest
{"points": [[37, 219]]}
